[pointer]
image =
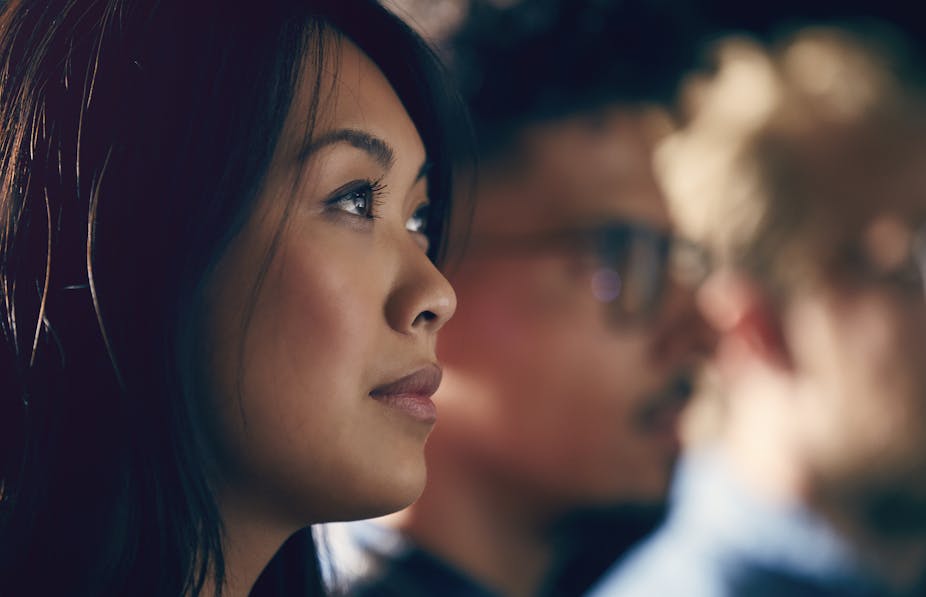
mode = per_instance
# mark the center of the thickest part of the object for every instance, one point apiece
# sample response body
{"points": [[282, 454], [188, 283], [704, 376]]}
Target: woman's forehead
{"points": [[347, 90]]}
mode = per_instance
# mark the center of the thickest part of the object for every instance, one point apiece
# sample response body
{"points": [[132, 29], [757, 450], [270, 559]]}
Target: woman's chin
{"points": [[403, 489], [385, 495]]}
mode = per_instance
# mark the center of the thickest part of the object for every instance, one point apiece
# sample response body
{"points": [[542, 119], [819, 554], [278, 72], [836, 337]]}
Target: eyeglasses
{"points": [[634, 262]]}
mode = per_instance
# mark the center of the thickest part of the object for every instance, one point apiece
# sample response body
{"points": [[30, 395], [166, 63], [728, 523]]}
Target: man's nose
{"points": [[682, 331]]}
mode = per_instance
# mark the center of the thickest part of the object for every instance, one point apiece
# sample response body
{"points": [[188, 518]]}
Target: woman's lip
{"points": [[412, 393]]}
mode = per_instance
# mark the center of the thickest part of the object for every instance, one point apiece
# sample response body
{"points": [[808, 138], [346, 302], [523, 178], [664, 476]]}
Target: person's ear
{"points": [[746, 319]]}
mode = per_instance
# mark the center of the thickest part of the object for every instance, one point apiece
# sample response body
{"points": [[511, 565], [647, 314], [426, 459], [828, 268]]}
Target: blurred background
{"points": [[686, 359]]}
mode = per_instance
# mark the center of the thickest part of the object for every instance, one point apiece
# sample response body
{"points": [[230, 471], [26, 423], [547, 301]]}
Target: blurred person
{"points": [[219, 303], [572, 350], [803, 167]]}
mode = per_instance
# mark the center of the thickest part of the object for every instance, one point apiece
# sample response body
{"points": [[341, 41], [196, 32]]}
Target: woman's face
{"points": [[317, 417]]}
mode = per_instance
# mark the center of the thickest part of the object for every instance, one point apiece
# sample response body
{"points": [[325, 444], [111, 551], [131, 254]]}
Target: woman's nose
{"points": [[422, 300]]}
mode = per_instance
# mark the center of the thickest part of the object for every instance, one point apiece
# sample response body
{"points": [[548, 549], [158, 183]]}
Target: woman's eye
{"points": [[418, 222], [358, 199], [358, 202]]}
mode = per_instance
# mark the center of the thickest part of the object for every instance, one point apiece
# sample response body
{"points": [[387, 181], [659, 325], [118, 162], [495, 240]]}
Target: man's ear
{"points": [[745, 317]]}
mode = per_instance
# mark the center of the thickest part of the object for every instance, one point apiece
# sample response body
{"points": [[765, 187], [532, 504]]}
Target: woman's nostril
{"points": [[425, 317]]}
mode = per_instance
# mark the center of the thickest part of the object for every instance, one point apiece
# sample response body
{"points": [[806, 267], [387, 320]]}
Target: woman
{"points": [[217, 227]]}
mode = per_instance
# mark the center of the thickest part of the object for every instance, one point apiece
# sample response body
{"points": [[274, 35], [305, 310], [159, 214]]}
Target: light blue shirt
{"points": [[722, 540]]}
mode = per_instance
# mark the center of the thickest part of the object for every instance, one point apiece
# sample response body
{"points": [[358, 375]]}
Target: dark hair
{"points": [[134, 138], [526, 62]]}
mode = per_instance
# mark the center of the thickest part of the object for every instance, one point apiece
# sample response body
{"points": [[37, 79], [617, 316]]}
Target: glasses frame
{"points": [[637, 261]]}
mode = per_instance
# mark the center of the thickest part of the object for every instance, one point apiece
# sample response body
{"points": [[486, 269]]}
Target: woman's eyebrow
{"points": [[375, 147]]}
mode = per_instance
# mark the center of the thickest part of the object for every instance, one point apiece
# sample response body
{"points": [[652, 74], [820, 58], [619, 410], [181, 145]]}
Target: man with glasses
{"points": [[573, 349], [804, 167]]}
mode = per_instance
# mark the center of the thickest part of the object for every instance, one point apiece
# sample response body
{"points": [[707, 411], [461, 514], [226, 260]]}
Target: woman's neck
{"points": [[484, 533], [249, 542]]}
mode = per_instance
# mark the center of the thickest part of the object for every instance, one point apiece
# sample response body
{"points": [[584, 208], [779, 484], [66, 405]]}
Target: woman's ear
{"points": [[747, 321]]}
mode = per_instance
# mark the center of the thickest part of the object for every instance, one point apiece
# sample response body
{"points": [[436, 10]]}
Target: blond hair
{"points": [[765, 172]]}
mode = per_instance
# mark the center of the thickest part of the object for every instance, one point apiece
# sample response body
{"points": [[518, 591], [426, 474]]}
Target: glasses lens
{"points": [[632, 274], [637, 263]]}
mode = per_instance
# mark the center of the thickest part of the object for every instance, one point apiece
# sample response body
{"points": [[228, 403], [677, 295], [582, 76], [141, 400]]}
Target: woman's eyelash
{"points": [[359, 198]]}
